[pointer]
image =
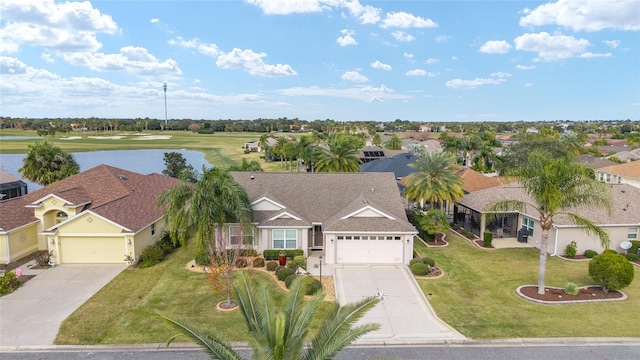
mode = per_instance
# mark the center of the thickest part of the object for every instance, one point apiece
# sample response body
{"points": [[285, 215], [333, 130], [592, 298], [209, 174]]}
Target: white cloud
{"points": [[430, 61], [614, 44], [420, 72], [9, 65], [405, 20], [495, 47], [380, 66], [68, 26], [208, 49], [134, 60], [500, 75], [551, 47], [252, 62], [284, 7], [364, 93], [154, 20], [584, 15], [408, 55], [525, 67], [497, 78], [588, 55], [347, 39], [354, 76], [367, 14], [402, 36], [528, 84], [454, 58], [442, 38], [48, 57]]}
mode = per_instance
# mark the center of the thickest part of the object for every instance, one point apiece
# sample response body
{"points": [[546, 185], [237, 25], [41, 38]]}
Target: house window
{"points": [[632, 234], [240, 236], [608, 178], [61, 216], [153, 229], [285, 239], [527, 223]]}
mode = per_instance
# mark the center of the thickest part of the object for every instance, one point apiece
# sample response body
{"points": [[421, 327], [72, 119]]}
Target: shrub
{"points": [[203, 259], [283, 273], [313, 286], [44, 258], [468, 234], [429, 261], [150, 256], [611, 271], [248, 252], [590, 253], [635, 245], [289, 280], [277, 268], [420, 269], [9, 283], [631, 256], [166, 243], [415, 261], [241, 263], [298, 261], [274, 254], [610, 251], [571, 250], [487, 238], [571, 288], [258, 262], [271, 265]]}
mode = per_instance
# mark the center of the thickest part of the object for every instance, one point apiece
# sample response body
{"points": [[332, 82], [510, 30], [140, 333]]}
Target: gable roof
{"points": [[630, 169], [328, 198], [5, 177], [474, 181], [593, 162], [124, 197]]}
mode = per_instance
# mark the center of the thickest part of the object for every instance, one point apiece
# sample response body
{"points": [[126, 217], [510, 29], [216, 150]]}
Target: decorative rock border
{"points": [[429, 277], [624, 297]]}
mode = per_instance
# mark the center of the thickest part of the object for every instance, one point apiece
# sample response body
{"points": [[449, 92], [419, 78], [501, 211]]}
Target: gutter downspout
{"points": [[8, 249], [555, 241]]}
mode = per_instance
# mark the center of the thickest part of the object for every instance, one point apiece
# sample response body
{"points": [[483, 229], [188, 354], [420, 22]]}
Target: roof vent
{"points": [[252, 177], [372, 189], [122, 177]]}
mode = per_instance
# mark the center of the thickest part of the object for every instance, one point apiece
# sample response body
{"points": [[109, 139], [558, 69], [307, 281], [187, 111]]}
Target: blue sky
{"points": [[322, 59]]}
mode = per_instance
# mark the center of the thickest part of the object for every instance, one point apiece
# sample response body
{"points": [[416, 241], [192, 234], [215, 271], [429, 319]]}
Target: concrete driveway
{"points": [[32, 315], [404, 314]]}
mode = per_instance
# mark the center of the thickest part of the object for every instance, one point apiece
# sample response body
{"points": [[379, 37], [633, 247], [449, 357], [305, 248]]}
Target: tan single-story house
{"points": [[347, 217], [101, 215], [622, 223], [627, 173]]}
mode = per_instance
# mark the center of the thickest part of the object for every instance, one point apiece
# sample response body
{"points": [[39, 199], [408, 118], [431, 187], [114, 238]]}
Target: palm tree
{"points": [[282, 335], [341, 155], [555, 186], [394, 143], [247, 165], [436, 180], [217, 199], [46, 163]]}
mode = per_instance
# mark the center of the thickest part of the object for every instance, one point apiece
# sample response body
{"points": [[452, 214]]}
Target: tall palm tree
{"points": [[436, 180], [555, 186], [341, 155], [46, 163], [394, 143], [276, 336]]}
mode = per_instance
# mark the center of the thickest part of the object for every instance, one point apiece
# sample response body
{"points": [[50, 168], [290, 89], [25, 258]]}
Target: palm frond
{"points": [[591, 229]]}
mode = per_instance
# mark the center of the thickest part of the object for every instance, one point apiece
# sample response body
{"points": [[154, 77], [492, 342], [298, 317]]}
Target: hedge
{"points": [[274, 254]]}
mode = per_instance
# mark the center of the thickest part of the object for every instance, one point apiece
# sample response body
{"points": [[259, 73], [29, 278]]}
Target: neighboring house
{"points": [[631, 155], [398, 165], [476, 181], [432, 146], [593, 162], [10, 186], [370, 153], [627, 173], [254, 146], [251, 146], [349, 217], [97, 216], [622, 223]]}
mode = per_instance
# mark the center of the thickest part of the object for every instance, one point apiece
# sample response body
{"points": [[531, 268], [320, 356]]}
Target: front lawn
{"points": [[124, 311], [477, 295]]}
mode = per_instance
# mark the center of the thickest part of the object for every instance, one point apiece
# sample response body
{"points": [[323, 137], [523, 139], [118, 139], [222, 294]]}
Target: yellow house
{"points": [[102, 215]]}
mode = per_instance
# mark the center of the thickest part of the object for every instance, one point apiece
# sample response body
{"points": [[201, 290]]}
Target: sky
{"points": [[427, 61]]}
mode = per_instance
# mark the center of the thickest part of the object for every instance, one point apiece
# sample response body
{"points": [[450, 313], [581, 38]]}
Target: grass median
{"points": [[477, 295]]}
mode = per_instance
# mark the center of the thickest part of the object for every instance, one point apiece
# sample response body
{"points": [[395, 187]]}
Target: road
{"points": [[450, 352]]}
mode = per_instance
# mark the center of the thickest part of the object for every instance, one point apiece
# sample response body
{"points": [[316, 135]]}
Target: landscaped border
{"points": [[562, 302]]}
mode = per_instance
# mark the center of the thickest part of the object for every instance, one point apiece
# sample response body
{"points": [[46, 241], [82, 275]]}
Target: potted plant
{"points": [[282, 258]]}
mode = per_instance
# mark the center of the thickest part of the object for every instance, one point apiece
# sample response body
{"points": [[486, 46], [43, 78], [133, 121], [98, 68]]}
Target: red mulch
{"points": [[480, 243], [555, 294], [577, 257], [436, 242]]}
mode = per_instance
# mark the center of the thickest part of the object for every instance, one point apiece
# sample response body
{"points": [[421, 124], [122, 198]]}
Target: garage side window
{"points": [[285, 239], [632, 234], [153, 229], [527, 223]]}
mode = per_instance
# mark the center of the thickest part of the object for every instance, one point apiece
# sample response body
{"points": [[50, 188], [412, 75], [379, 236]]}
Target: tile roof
{"points": [[327, 197], [630, 169], [625, 202], [124, 197], [474, 181]]}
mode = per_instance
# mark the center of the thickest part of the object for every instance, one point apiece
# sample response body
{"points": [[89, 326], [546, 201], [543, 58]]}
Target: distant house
{"points": [[593, 162], [622, 224], [97, 216], [627, 173], [347, 217], [10, 186], [631, 155], [370, 153]]}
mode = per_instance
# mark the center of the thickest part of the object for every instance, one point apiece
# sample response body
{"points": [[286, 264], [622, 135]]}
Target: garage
{"points": [[99, 250], [369, 249]]}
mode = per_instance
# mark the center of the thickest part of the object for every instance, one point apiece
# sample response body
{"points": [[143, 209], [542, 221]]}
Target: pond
{"points": [[140, 161]]}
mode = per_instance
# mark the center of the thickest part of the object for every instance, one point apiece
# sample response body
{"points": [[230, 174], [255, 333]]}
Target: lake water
{"points": [[140, 161]]}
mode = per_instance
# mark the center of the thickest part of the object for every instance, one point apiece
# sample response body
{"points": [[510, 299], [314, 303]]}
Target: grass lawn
{"points": [[124, 311], [220, 149], [477, 295]]}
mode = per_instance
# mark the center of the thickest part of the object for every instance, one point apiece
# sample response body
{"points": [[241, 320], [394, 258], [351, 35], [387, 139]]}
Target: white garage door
{"points": [[369, 249], [92, 250]]}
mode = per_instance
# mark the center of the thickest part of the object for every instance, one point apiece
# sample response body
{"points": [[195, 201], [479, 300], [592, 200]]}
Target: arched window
{"points": [[61, 216]]}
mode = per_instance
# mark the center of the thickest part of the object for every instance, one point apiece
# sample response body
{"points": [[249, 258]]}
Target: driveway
{"points": [[32, 315], [404, 314]]}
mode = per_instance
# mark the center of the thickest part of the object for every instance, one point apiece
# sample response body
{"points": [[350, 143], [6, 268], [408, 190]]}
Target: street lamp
{"points": [[320, 264], [164, 86]]}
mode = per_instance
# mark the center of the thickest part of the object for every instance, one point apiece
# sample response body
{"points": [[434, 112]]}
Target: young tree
{"points": [[46, 163], [176, 166], [436, 180], [555, 186], [283, 335], [434, 222]]}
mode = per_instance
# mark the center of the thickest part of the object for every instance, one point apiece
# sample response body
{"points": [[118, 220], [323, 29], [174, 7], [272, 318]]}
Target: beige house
{"points": [[622, 223], [347, 217], [100, 215], [627, 173]]}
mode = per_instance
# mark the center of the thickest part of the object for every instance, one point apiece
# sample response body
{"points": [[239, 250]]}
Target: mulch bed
{"points": [[591, 293], [437, 242], [576, 258], [480, 243], [16, 264]]}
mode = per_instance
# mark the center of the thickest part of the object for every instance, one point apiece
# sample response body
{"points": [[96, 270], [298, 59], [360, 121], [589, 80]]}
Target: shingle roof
{"points": [[630, 169], [5, 177], [124, 197], [474, 181], [398, 164], [327, 197], [593, 162], [625, 202]]}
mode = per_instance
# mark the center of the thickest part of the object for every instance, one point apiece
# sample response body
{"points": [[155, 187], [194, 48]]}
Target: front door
{"points": [[318, 239]]}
